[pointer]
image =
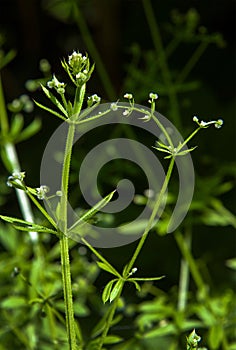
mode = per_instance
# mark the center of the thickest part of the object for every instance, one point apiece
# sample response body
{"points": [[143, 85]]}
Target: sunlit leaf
{"points": [[90, 213], [107, 291], [107, 268], [112, 339], [116, 290], [13, 302], [23, 225], [49, 110]]}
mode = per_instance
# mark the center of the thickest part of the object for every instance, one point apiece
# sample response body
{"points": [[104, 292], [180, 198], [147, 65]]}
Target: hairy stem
{"points": [[152, 217], [109, 320], [64, 245]]}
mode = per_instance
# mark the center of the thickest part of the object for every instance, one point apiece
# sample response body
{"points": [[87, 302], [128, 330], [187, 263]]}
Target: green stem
{"points": [[64, 246], [183, 246], [67, 288], [190, 137], [192, 62], [109, 320], [166, 75], [152, 217], [184, 275], [138, 249]]}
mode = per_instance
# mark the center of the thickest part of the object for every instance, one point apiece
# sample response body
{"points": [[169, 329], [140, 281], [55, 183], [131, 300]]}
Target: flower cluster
{"points": [[128, 96], [23, 103], [41, 191], [78, 68], [93, 99], [129, 110], [16, 180], [217, 123], [57, 85], [152, 97], [114, 106]]}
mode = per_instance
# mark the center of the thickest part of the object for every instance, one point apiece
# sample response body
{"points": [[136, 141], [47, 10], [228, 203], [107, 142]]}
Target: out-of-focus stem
{"points": [[14, 164], [184, 276]]}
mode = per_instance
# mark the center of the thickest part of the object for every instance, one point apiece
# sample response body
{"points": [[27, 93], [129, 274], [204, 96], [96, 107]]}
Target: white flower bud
{"points": [[128, 96], [153, 96]]}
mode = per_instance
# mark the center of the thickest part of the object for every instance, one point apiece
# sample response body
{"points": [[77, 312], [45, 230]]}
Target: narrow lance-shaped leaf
{"points": [[87, 111], [50, 110], [108, 268], [90, 213], [107, 291], [23, 225], [116, 289], [137, 286], [146, 279], [112, 339], [54, 100]]}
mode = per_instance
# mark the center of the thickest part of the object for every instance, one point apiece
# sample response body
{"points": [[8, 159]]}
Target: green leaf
{"points": [[216, 334], [13, 302], [147, 279], [168, 329], [90, 213], [23, 225], [30, 130], [50, 110], [162, 145], [54, 100], [125, 269], [182, 153], [87, 111], [116, 289], [162, 150], [133, 227], [112, 339], [108, 268], [107, 291], [137, 286], [70, 109]]}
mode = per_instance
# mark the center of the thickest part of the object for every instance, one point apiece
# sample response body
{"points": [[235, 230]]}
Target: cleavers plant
{"points": [[79, 70]]}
